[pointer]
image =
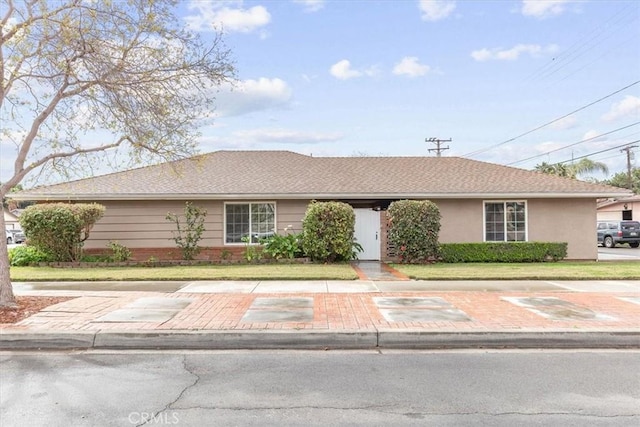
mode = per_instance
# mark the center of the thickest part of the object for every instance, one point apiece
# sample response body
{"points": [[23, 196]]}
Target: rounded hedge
{"points": [[327, 231], [414, 226]]}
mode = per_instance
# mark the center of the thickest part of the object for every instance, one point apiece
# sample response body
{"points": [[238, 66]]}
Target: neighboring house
{"points": [[626, 208], [10, 220], [261, 192]]}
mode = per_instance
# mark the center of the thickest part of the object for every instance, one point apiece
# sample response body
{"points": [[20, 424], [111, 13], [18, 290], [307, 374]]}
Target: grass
{"points": [[609, 270], [206, 272], [588, 270]]}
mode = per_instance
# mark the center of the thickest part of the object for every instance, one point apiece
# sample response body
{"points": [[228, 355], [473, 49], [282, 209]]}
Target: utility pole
{"points": [[439, 149], [628, 151]]}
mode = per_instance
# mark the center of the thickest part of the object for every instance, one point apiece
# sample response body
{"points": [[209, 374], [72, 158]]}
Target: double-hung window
{"points": [[249, 222], [505, 222]]}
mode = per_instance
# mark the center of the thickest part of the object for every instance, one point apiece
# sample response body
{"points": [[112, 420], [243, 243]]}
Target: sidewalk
{"points": [[387, 312]]}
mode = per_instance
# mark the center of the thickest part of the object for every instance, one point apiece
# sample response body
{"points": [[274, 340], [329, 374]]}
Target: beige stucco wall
{"points": [[142, 224], [565, 220], [557, 220]]}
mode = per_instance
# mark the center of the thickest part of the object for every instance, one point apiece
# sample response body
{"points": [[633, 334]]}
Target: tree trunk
{"points": [[7, 299]]}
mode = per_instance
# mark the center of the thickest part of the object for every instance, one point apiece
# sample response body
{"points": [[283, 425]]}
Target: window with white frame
{"points": [[249, 220], [505, 222]]}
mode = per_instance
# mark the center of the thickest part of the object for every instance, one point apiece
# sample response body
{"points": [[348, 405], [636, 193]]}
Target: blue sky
{"points": [[344, 78]]}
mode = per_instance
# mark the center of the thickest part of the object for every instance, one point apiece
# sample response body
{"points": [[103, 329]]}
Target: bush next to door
{"points": [[327, 231], [59, 229], [503, 252], [414, 226]]}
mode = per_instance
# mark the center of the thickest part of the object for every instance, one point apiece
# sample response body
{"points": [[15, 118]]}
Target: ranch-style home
{"points": [[257, 193]]}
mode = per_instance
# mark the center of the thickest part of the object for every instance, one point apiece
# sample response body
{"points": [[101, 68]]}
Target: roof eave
{"points": [[309, 196]]}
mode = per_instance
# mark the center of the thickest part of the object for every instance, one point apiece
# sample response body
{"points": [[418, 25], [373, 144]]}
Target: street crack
{"points": [[168, 406]]}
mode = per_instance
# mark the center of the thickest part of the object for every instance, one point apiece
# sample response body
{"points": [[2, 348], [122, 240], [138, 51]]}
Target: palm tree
{"points": [[584, 167]]}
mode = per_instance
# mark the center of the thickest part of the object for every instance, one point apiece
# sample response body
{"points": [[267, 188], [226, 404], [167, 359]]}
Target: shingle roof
{"points": [[284, 174]]}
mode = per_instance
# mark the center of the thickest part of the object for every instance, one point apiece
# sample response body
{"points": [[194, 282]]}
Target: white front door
{"points": [[367, 233]]}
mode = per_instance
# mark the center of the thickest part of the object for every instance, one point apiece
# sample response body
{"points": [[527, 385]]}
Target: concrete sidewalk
{"points": [[331, 314]]}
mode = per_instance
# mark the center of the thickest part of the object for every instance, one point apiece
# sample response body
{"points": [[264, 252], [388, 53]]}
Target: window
{"points": [[257, 220], [505, 222], [627, 215]]}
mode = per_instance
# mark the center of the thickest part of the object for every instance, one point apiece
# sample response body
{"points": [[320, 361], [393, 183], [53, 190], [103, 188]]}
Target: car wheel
{"points": [[608, 242], [634, 244]]}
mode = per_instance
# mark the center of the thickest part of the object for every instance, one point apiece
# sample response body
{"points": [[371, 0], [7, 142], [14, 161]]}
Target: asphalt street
{"points": [[494, 388]]}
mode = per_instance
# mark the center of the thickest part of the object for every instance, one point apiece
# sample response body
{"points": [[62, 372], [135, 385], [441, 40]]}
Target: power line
{"points": [[572, 145], [483, 150], [586, 44], [628, 144]]}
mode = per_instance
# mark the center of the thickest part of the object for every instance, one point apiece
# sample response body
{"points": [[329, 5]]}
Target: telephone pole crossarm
{"points": [[439, 148]]}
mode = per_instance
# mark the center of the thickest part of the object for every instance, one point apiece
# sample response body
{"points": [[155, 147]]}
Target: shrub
{"points": [[188, 235], [414, 226], [503, 252], [59, 229], [251, 252], [22, 256], [327, 231], [283, 246], [120, 253]]}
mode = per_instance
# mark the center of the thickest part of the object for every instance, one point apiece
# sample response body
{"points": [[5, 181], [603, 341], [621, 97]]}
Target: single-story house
{"points": [[10, 220], [261, 192], [624, 209]]}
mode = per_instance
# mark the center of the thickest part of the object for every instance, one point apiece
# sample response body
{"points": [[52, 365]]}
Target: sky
{"points": [[509, 82]]}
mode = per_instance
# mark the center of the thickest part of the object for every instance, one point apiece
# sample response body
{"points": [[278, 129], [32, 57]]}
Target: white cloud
{"points": [[311, 5], [435, 10], [342, 70], [514, 53], [257, 138], [253, 95], [228, 15], [629, 106], [410, 66], [568, 122], [286, 136], [543, 8], [594, 136]]}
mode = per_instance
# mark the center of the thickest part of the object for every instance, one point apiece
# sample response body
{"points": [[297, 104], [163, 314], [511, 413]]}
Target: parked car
{"points": [[18, 236], [611, 233]]}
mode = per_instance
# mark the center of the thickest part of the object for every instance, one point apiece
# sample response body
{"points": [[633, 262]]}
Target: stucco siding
{"points": [[558, 220], [565, 220], [461, 220]]}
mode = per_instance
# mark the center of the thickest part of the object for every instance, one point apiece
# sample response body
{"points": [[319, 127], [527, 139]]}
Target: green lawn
{"points": [[609, 270], [208, 272]]}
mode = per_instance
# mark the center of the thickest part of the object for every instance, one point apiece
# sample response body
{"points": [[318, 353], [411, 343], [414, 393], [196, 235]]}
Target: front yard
{"points": [[588, 270], [613, 270]]}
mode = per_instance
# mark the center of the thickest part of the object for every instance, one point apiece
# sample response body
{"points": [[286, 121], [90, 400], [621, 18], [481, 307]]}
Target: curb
{"points": [[313, 340]]}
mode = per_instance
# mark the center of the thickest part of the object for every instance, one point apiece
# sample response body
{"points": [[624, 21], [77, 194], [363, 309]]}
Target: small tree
{"points": [[59, 229], [130, 69], [327, 231], [188, 235], [413, 229]]}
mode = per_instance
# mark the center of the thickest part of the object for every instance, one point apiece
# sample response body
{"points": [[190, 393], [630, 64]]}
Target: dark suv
{"points": [[611, 233]]}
